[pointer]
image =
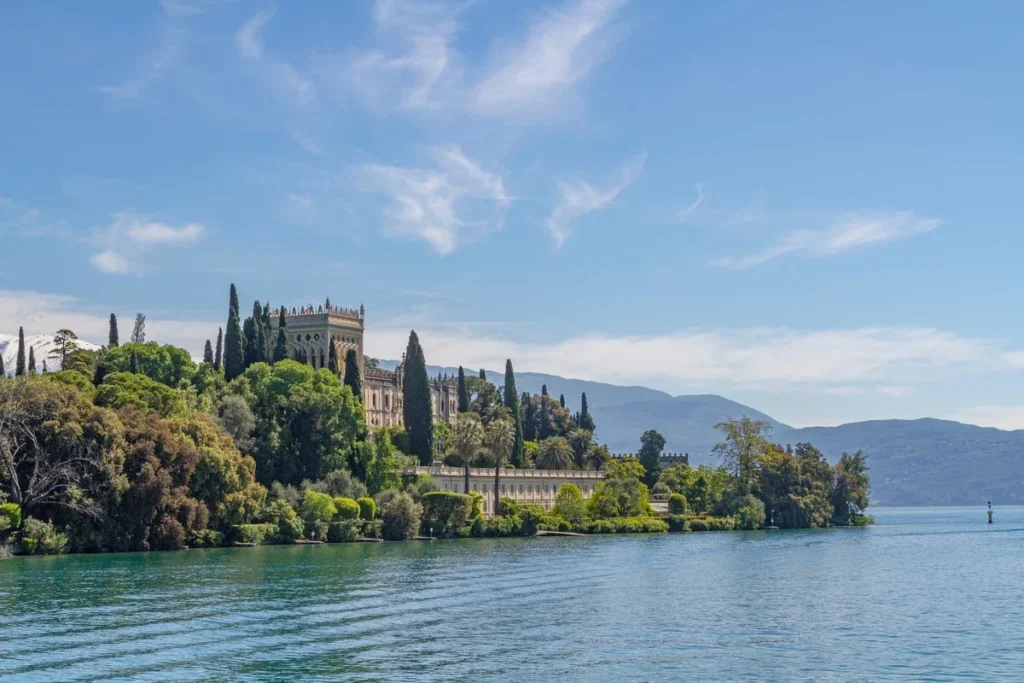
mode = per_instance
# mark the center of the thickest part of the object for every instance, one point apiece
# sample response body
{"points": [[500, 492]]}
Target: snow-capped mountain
{"points": [[42, 343]]}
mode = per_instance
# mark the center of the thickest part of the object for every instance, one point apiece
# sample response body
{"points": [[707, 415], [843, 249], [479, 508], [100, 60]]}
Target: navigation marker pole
{"points": [[990, 512]]}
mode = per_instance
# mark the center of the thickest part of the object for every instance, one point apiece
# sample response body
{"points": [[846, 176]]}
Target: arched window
{"points": [[375, 400]]}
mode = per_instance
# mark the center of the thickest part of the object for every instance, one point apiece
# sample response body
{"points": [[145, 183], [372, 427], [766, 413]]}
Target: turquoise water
{"points": [[926, 594]]}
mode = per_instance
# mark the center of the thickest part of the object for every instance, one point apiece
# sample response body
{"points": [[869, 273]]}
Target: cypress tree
{"points": [[250, 351], [561, 400], [463, 392], [281, 347], [44, 366], [208, 353], [134, 364], [260, 340], [268, 336], [3, 367], [483, 374], [31, 360], [584, 421], [112, 341], [416, 406], [528, 416], [234, 343], [220, 349], [544, 426], [511, 399], [332, 359], [19, 368], [352, 378]]}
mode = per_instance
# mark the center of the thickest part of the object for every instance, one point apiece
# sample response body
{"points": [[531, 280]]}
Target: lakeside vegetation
{"points": [[137, 447]]}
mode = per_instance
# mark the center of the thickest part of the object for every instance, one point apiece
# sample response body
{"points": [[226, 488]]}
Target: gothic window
{"points": [[375, 400], [321, 357]]}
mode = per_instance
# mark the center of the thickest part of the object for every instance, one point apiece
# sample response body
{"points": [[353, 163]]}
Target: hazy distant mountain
{"points": [[913, 462], [42, 343], [929, 462]]}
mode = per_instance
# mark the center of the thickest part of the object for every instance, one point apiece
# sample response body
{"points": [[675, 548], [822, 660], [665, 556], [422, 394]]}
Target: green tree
{"points": [[120, 389], [580, 440], [218, 353], [483, 374], [267, 353], [31, 360], [544, 415], [382, 471], [281, 346], [352, 379], [139, 329], [850, 492], [20, 368], [166, 364], [250, 351], [469, 435], [134, 366], [500, 437], [651, 445], [112, 338], [555, 454], [745, 442], [561, 400], [401, 517], [317, 511], [416, 405], [463, 392], [234, 342], [583, 418], [569, 504], [511, 400], [528, 413], [332, 358], [208, 353]]}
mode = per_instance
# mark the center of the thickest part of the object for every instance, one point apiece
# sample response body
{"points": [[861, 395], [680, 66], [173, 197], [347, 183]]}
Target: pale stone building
{"points": [[526, 486], [311, 331]]}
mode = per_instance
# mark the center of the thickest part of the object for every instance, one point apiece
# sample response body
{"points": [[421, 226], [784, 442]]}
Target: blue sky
{"points": [[812, 208]]}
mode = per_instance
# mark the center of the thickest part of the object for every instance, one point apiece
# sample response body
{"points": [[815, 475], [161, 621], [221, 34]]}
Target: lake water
{"points": [[926, 594]]}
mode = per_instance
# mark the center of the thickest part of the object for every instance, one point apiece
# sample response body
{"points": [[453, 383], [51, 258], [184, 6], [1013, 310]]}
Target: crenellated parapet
{"points": [[325, 308]]}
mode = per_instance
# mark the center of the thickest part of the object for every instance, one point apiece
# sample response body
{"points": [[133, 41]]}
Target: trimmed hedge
{"points": [[346, 508], [677, 504], [711, 523], [553, 523], [367, 508], [253, 533], [205, 538], [446, 512]]}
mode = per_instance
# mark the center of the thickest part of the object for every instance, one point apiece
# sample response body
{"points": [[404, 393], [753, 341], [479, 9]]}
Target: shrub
{"points": [[373, 528], [478, 528], [626, 525], [41, 538], [340, 482], [554, 523], [476, 509], [678, 523], [401, 518], [750, 513], [346, 508], [711, 523], [205, 538], [660, 491], [569, 504], [10, 517], [367, 508], [500, 526], [345, 531], [286, 522], [529, 517], [677, 504], [446, 512], [254, 533], [317, 512]]}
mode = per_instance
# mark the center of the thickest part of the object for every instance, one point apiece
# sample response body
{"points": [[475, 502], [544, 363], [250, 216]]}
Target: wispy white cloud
{"points": [[416, 64], [130, 235], [579, 198], [307, 143], [280, 73], [20, 220], [443, 206], [846, 232], [560, 49], [686, 212]]}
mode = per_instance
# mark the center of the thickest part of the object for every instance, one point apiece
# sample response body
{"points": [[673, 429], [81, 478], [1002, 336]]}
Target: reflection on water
{"points": [[933, 594]]}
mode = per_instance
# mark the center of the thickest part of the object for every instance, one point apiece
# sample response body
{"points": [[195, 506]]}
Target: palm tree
{"points": [[469, 434], [596, 457], [501, 438], [555, 454], [496, 411], [580, 440]]}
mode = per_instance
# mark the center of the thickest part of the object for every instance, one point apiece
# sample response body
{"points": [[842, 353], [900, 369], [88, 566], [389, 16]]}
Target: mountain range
{"points": [[42, 344]]}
